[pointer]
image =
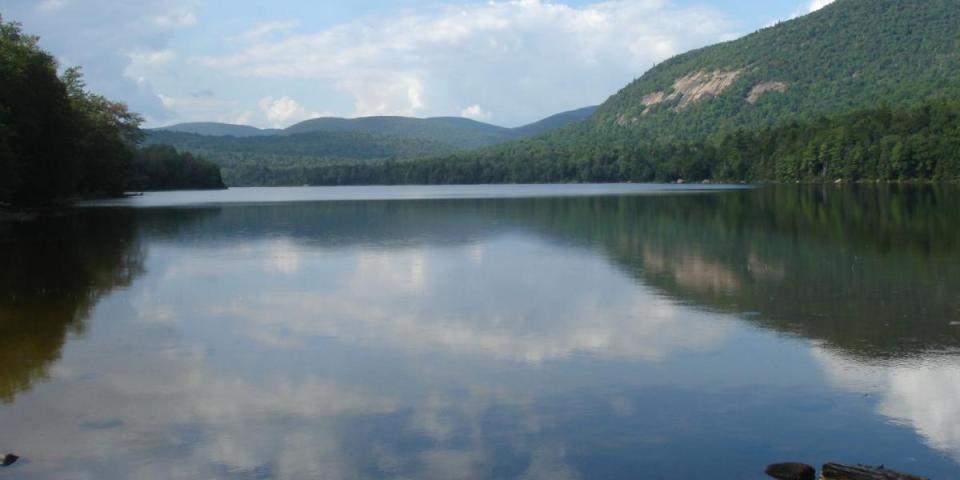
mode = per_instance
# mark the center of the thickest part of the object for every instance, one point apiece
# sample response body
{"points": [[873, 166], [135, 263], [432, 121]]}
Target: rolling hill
{"points": [[318, 144], [460, 133], [553, 122], [455, 133], [215, 129]]}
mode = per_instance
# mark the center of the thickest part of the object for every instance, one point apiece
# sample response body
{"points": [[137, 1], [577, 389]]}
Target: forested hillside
{"points": [[162, 167], [851, 55], [280, 159], [920, 143], [251, 156], [218, 129], [554, 122], [454, 133], [313, 144]]}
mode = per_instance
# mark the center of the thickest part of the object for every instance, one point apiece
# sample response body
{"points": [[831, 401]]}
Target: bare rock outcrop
{"points": [[693, 88], [765, 87]]}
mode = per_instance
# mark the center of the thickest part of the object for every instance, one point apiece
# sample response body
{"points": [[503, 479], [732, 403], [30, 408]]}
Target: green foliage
{"points": [[851, 55], [161, 167], [250, 156], [315, 144], [911, 144], [57, 140], [217, 129], [109, 133], [453, 133], [34, 107]]}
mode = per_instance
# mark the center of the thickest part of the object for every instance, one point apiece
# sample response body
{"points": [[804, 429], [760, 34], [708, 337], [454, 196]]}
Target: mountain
{"points": [[461, 133], [850, 55], [317, 144], [251, 156], [455, 133], [218, 129], [553, 122]]}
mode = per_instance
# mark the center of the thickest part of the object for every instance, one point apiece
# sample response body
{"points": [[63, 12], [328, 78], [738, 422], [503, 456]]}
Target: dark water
{"points": [[615, 333]]}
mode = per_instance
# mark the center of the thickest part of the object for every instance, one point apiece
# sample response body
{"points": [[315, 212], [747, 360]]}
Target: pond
{"points": [[529, 332]]}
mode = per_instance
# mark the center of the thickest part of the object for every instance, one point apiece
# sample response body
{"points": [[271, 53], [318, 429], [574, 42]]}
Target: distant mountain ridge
{"points": [[456, 132], [215, 129]]}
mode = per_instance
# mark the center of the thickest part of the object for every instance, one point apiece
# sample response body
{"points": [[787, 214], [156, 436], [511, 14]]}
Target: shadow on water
{"points": [[52, 272], [870, 270]]}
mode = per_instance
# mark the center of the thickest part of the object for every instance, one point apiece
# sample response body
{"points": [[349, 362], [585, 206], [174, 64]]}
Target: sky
{"points": [[272, 64]]}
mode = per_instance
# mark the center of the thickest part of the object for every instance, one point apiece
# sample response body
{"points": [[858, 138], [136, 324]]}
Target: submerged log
{"points": [[833, 471], [792, 471]]}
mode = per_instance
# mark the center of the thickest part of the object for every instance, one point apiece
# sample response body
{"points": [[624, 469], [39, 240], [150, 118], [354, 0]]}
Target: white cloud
{"points": [[48, 5], [154, 58], [207, 107], [242, 118], [283, 258], [920, 392], [183, 16], [283, 111], [107, 38], [396, 300], [818, 4], [513, 57], [476, 112], [265, 30]]}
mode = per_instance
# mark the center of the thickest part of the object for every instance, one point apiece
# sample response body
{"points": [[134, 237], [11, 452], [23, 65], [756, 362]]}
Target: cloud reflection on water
{"points": [[921, 392], [413, 300]]}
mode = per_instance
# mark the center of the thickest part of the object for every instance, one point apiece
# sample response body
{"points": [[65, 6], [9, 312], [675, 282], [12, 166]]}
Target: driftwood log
{"points": [[833, 471]]}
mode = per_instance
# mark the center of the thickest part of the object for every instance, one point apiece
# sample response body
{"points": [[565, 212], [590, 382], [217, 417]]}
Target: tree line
{"points": [[58, 141], [918, 143]]}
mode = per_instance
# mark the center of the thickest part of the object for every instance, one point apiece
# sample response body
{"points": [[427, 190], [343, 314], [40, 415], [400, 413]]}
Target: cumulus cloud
{"points": [[476, 112], [206, 105], [818, 4], [265, 30], [514, 57], [283, 111], [106, 38], [153, 58]]}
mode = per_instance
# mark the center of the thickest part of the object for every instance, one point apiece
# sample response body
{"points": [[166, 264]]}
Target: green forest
{"points": [[59, 142], [920, 143], [850, 56], [162, 167]]}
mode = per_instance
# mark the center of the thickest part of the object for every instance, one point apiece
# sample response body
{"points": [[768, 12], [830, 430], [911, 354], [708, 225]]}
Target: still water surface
{"points": [[550, 332]]}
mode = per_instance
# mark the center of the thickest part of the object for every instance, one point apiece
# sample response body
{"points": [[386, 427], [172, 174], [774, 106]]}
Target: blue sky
{"points": [[271, 64]]}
